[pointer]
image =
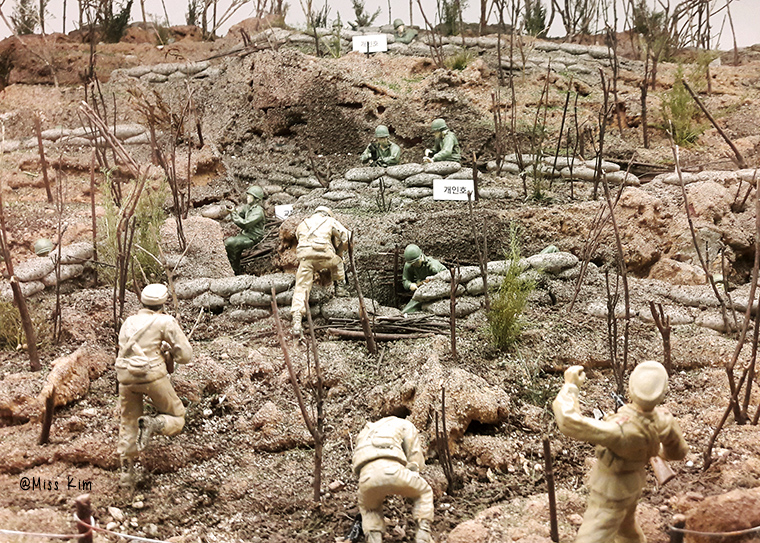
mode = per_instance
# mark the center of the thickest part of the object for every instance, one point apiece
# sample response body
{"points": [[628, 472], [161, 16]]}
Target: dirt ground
{"points": [[241, 470]]}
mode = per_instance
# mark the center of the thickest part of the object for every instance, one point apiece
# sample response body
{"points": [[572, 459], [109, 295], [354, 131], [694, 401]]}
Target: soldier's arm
{"points": [[395, 156], [435, 266], [571, 423], [412, 445], [254, 216], [407, 278], [181, 349], [673, 445], [447, 147], [366, 155]]}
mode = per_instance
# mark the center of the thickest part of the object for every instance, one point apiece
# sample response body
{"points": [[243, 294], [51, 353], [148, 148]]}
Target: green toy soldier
{"points": [[417, 268], [625, 441], [403, 34], [446, 146], [387, 459], [148, 341], [250, 218], [382, 151]]}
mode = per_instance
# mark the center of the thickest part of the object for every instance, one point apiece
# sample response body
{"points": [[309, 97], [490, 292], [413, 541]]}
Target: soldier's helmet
{"points": [[412, 253], [648, 384], [382, 131], [397, 23], [437, 125], [43, 246], [154, 294], [324, 209], [256, 191]]}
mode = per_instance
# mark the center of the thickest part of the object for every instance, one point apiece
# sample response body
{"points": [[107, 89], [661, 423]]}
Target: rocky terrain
{"points": [[278, 116]]}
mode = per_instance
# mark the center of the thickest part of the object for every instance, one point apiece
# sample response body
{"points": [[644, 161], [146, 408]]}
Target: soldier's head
{"points": [[154, 296], [398, 24], [437, 127], [648, 384], [413, 255], [254, 194], [324, 210], [42, 247], [382, 136]]}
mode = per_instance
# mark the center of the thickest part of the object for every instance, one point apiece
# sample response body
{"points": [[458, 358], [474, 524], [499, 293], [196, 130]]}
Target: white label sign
{"points": [[453, 189], [284, 211], [371, 43]]}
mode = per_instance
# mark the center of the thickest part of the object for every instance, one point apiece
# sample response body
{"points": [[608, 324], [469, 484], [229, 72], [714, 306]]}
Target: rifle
{"points": [[374, 153], [356, 532], [661, 468]]}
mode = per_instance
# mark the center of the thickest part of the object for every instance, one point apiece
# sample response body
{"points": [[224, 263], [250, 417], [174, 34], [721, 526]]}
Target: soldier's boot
{"points": [[147, 427], [297, 326], [373, 537], [340, 290], [423, 532], [127, 477]]}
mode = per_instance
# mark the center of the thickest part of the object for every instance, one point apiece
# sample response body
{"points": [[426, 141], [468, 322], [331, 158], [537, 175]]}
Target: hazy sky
{"points": [[745, 14]]}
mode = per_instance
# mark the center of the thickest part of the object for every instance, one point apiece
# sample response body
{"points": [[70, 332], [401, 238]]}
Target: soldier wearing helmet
{"points": [[417, 268], [403, 34], [625, 441], [147, 343], [381, 152], [321, 242], [250, 218], [446, 145]]}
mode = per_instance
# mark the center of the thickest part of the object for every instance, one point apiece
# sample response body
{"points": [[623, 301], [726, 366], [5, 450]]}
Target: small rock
{"points": [[336, 485], [138, 505], [116, 513]]}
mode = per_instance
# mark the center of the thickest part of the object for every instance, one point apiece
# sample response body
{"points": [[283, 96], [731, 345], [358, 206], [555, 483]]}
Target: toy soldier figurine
{"points": [[446, 146], [321, 242], [417, 268], [250, 218], [148, 342], [387, 458], [625, 442], [403, 34], [381, 152]]}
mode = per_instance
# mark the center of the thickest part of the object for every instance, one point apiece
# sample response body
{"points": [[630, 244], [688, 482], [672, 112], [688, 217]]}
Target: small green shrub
{"points": [[460, 60], [149, 216], [12, 331], [363, 18], [505, 319], [680, 114], [534, 20], [25, 17]]}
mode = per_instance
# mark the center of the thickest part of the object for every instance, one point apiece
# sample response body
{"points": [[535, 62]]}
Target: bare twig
{"points": [[366, 326], [662, 321]]}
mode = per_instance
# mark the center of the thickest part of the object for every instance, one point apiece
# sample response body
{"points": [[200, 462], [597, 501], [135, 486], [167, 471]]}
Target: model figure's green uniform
{"points": [[417, 268], [251, 219]]}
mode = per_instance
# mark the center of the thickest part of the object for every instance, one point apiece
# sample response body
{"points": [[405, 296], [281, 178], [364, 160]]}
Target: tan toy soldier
{"points": [[625, 442], [321, 242], [387, 458], [146, 341]]}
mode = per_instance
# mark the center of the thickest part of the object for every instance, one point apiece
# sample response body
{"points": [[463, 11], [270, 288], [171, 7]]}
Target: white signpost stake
{"points": [[452, 189], [370, 43]]}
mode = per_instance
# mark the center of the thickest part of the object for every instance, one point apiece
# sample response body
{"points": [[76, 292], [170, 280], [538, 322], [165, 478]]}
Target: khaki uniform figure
{"points": [[417, 268], [625, 442], [321, 242], [251, 219], [146, 341], [387, 458], [403, 34], [446, 145], [381, 152]]}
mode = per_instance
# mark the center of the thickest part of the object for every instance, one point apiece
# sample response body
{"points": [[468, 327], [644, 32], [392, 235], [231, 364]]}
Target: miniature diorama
{"points": [[322, 240], [150, 343], [625, 442], [250, 218], [388, 457], [382, 151], [582, 203]]}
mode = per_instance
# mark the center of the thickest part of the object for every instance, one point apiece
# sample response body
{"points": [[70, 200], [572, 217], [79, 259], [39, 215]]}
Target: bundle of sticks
{"points": [[391, 328]]}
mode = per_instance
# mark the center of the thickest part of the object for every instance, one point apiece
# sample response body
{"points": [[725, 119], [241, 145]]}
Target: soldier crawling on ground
{"points": [[417, 268], [446, 145], [382, 151]]}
